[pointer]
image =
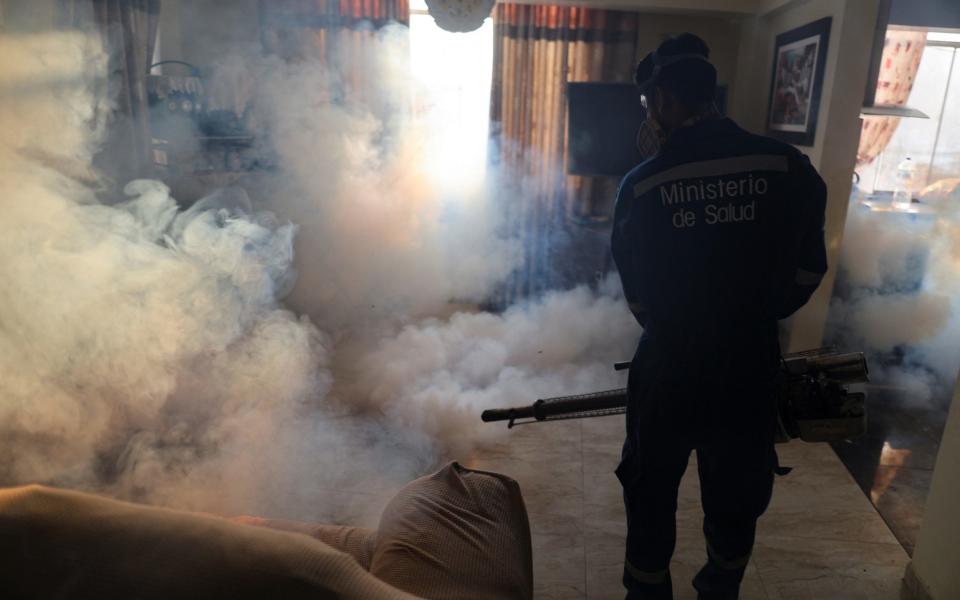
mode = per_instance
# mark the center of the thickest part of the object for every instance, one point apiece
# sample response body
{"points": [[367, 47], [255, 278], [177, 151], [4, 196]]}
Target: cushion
{"points": [[455, 534], [358, 542], [61, 544]]}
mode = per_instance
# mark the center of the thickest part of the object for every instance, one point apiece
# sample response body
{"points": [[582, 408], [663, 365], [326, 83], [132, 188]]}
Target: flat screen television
{"points": [[602, 124], [603, 119]]}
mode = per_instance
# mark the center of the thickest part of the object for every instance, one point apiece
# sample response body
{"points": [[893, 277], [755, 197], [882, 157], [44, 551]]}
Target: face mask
{"points": [[650, 138]]}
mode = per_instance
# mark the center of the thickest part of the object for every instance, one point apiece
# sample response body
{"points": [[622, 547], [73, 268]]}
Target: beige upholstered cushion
{"points": [[358, 542], [456, 534], [60, 544]]}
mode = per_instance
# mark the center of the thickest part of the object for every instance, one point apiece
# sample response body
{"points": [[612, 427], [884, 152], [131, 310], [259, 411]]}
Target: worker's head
{"points": [[677, 80]]}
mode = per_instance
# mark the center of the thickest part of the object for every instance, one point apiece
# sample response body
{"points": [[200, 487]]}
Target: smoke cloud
{"points": [[289, 350], [381, 237], [899, 292], [564, 344]]}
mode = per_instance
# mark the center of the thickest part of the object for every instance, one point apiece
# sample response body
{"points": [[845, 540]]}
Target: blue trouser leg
{"points": [[736, 482], [721, 404], [650, 498]]}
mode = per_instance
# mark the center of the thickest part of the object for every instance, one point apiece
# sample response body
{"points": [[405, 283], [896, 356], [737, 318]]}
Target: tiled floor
{"points": [[893, 463], [820, 540]]}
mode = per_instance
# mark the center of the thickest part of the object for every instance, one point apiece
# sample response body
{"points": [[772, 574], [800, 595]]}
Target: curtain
{"points": [[537, 50], [902, 51], [332, 28], [295, 15], [350, 37], [128, 30]]}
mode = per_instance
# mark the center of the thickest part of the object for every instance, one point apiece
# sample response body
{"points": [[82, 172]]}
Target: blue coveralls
{"points": [[715, 238]]}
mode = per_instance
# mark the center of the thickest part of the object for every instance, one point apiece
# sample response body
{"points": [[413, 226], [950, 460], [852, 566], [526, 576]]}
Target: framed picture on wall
{"points": [[799, 58]]}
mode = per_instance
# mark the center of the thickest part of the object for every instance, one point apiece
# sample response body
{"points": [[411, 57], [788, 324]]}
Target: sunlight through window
{"points": [[452, 96]]}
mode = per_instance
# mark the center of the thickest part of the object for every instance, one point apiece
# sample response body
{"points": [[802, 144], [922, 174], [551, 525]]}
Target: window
{"points": [[452, 73], [933, 144]]}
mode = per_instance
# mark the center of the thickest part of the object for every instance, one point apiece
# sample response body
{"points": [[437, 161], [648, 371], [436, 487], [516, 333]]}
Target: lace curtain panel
{"points": [[902, 51]]}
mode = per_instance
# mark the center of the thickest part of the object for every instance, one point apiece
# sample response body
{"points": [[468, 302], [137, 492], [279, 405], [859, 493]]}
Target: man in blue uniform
{"points": [[716, 237]]}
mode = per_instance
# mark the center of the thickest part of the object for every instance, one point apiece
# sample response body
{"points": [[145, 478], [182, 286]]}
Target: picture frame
{"points": [[796, 82]]}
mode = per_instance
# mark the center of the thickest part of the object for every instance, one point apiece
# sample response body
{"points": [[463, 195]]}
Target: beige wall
{"points": [[935, 570], [838, 126], [720, 32]]}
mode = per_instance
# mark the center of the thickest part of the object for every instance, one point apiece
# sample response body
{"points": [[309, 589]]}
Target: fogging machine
{"points": [[812, 397]]}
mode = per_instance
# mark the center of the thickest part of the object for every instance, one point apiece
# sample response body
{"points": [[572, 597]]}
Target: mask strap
{"points": [[664, 61]]}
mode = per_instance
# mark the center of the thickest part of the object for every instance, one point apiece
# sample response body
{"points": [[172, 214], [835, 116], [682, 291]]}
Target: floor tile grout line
{"points": [[583, 511], [831, 539], [889, 524], [839, 539], [781, 536]]}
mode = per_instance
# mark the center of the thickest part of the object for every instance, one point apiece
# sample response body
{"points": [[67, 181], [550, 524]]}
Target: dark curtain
{"points": [[128, 30], [537, 50]]}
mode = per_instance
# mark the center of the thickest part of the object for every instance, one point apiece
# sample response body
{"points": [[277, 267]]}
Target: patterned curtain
{"points": [[348, 36], [537, 50], [902, 51]]}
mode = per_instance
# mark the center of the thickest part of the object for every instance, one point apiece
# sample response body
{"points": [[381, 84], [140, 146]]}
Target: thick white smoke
{"points": [[135, 339], [145, 351], [564, 344], [381, 238], [900, 293]]}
